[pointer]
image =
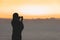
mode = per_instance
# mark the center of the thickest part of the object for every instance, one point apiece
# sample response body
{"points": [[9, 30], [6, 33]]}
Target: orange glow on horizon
{"points": [[30, 9], [9, 16]]}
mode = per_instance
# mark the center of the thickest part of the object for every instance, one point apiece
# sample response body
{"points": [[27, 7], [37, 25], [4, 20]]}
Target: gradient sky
{"points": [[30, 8]]}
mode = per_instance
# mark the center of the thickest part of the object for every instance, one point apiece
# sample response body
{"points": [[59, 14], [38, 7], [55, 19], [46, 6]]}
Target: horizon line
{"points": [[34, 18]]}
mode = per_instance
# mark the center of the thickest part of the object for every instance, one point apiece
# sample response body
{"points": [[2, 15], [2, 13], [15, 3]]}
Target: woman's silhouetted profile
{"points": [[17, 24]]}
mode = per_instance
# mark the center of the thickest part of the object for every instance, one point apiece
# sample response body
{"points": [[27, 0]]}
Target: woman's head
{"points": [[15, 16]]}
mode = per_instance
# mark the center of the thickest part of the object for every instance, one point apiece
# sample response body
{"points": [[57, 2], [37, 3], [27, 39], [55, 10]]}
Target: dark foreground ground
{"points": [[33, 30]]}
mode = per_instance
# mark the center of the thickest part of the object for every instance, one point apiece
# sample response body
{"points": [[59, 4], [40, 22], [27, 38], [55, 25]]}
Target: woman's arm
{"points": [[21, 18]]}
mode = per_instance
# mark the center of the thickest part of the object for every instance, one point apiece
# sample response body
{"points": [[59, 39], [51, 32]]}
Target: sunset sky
{"points": [[30, 8]]}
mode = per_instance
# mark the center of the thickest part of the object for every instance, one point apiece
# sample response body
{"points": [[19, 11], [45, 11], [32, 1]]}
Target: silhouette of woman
{"points": [[17, 24]]}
